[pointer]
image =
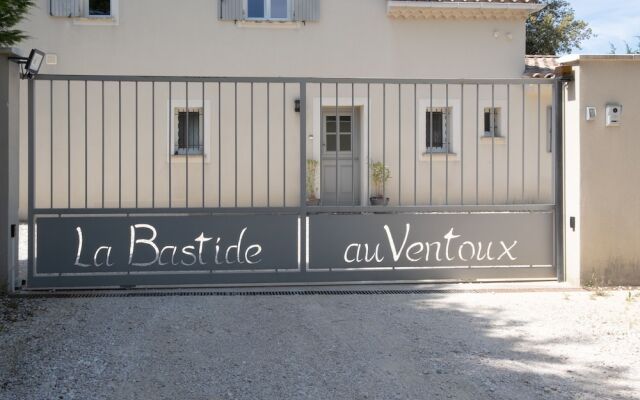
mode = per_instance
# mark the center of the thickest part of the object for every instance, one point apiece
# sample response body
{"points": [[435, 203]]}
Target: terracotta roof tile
{"points": [[540, 66]]}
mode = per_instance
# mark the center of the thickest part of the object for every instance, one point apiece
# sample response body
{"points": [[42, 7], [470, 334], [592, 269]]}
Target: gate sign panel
{"points": [[182, 244], [415, 241]]}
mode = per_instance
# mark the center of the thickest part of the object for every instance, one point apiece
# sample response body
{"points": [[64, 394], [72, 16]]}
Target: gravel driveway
{"points": [[572, 345]]}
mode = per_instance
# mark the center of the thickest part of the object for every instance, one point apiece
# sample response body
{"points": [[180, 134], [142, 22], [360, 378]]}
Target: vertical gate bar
{"points": [[102, 192], [322, 139], [431, 144], [284, 144], [462, 144], [153, 145], [268, 144], [51, 140], [476, 134], [251, 161], [136, 144], [353, 130], [171, 141], [384, 141], [219, 144], [368, 139], [493, 147], [446, 153], [524, 128], [337, 142], [538, 149], [508, 139], [415, 144], [68, 144], [204, 136], [86, 148], [31, 170], [119, 144], [399, 144], [303, 173], [235, 142], [186, 144]]}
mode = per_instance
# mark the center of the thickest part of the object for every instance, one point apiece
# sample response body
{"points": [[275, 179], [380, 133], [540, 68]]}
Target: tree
{"points": [[555, 29], [628, 50], [11, 13]]}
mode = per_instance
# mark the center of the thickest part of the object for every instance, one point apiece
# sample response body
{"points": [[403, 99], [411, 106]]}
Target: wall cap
{"points": [[577, 58]]}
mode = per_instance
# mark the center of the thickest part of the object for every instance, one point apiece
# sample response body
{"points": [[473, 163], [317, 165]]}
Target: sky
{"points": [[614, 21]]}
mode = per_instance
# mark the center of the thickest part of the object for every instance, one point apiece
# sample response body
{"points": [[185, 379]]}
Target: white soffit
{"points": [[472, 9]]}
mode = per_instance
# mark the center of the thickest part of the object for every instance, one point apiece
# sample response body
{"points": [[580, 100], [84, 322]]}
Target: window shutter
{"points": [[65, 8], [306, 10], [231, 10]]}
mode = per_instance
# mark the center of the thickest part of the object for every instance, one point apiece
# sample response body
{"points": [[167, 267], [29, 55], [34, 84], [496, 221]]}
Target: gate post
{"points": [[9, 165]]}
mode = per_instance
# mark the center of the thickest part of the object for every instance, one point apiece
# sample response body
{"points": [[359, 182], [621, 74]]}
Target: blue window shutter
{"points": [[306, 10], [65, 8], [231, 10]]}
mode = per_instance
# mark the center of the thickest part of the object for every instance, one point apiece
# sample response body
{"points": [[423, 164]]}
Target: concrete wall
{"points": [[353, 38], [608, 206]]}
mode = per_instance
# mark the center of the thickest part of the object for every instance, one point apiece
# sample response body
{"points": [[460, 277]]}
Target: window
{"points": [[492, 122], [99, 8], [344, 134], [269, 9], [188, 139], [437, 130]]}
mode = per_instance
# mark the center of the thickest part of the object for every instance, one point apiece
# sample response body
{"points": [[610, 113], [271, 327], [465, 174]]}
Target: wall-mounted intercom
{"points": [[614, 114]]}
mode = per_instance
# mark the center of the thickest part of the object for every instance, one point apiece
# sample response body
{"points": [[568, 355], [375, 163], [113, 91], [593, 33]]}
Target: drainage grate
{"points": [[304, 292]]}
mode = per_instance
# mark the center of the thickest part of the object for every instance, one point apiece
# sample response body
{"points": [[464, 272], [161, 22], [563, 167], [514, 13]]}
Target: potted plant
{"points": [[379, 175], [312, 168]]}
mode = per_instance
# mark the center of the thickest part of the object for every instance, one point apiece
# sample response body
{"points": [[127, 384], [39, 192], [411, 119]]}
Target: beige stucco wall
{"points": [[353, 38], [609, 202]]}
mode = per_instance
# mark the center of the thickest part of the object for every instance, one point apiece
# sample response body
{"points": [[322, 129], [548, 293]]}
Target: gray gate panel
{"points": [[430, 241], [107, 245]]}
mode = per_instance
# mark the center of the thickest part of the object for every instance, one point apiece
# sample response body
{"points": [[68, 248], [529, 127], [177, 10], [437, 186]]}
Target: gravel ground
{"points": [[573, 345]]}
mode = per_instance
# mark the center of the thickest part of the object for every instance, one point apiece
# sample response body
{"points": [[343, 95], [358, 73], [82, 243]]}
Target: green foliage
{"points": [[628, 48], [555, 30], [379, 175], [312, 168], [11, 13]]}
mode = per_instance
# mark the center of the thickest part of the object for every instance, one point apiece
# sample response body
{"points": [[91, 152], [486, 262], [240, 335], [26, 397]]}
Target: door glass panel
{"points": [[256, 8], [345, 123], [279, 9], [331, 124], [345, 142], [331, 142]]}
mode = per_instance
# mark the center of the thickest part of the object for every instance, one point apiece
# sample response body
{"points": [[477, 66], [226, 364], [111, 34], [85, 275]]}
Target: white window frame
{"points": [[454, 128], [446, 130], [87, 19], [495, 123], [267, 12], [176, 131], [172, 130]]}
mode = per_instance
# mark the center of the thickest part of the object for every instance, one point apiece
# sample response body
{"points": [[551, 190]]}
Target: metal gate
{"points": [[174, 181]]}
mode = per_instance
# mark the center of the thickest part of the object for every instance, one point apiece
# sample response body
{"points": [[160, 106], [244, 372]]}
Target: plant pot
{"points": [[313, 202], [379, 201]]}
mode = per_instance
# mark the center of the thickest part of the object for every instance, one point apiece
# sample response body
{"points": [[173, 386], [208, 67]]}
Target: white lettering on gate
{"points": [[426, 251], [174, 255]]}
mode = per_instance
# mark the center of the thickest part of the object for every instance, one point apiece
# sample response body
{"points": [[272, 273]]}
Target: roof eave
{"points": [[458, 10]]}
